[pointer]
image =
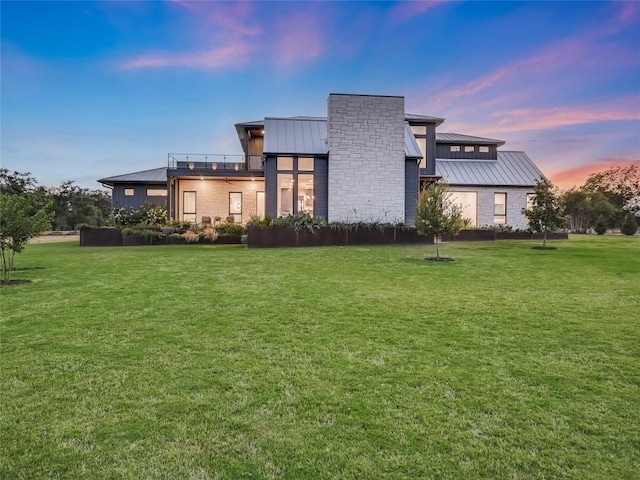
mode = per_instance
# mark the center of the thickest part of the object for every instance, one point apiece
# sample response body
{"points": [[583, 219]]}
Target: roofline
{"points": [[365, 95]]}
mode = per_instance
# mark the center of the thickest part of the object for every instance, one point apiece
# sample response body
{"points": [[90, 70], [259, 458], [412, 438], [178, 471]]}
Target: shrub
{"points": [[299, 220], [148, 214], [209, 233], [228, 229], [601, 226], [260, 222], [629, 225]]}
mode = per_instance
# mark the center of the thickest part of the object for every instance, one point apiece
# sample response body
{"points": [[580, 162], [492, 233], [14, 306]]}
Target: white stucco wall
{"points": [[212, 197], [516, 201], [366, 158]]}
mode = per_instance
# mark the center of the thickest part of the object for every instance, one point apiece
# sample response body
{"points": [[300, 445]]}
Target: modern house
{"points": [[365, 161]]}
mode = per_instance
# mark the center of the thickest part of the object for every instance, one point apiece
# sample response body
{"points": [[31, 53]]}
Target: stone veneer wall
{"points": [[212, 197], [516, 201], [366, 158]]}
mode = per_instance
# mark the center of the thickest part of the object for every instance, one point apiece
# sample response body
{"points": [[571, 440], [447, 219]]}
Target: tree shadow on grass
{"points": [[540, 247], [17, 281], [440, 259], [23, 269]]}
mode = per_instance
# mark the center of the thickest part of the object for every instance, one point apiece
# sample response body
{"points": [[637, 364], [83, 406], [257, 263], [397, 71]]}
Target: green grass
{"points": [[202, 362]]}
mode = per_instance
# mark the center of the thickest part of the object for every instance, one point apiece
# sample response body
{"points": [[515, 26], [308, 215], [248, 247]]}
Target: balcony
{"points": [[200, 163]]}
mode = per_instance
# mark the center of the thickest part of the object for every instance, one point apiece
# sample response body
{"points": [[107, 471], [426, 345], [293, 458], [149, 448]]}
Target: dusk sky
{"points": [[95, 89]]}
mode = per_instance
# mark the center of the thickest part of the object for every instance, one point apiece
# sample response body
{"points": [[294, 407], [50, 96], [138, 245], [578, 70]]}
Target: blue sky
{"points": [[94, 89]]}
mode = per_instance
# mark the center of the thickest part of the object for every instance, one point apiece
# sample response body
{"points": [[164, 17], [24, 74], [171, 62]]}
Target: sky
{"points": [[96, 89]]}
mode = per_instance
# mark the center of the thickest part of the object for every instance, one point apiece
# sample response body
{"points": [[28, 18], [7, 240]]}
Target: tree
{"points": [[545, 214], [621, 185], [629, 225], [586, 209], [22, 217], [437, 214], [74, 206]]}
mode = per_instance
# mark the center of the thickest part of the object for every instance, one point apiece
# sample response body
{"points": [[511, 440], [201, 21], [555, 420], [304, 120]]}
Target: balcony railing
{"points": [[215, 162]]}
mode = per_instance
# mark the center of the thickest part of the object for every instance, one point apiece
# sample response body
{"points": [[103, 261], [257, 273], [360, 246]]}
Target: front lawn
{"points": [[341, 362]]}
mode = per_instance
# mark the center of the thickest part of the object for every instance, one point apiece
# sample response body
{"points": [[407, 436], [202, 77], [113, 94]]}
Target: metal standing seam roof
{"points": [[514, 169], [308, 136], [295, 135], [460, 138], [411, 148], [156, 175]]}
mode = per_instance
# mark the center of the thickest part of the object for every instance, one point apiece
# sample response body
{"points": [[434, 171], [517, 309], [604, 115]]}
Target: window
{"points": [[483, 149], [422, 143], [129, 192], [500, 208], [469, 203], [469, 148], [156, 192], [419, 129], [454, 148], [189, 207], [530, 197], [305, 164], [285, 163], [235, 206], [305, 194], [260, 204], [285, 194]]}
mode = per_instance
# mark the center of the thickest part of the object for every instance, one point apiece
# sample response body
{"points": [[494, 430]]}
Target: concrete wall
{"points": [[366, 158], [516, 201], [212, 196]]}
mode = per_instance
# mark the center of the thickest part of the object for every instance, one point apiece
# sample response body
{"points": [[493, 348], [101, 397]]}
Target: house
{"points": [[365, 161]]}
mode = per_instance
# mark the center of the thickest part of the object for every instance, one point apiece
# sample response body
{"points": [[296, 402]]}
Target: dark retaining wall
{"points": [[327, 236], [100, 237], [112, 237]]}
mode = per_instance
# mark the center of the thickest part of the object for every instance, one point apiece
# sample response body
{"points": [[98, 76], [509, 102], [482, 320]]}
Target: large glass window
{"points": [[305, 164], [189, 207], [235, 206], [305, 193], [285, 194], [419, 129], [500, 208], [285, 163], [422, 143], [469, 203]]}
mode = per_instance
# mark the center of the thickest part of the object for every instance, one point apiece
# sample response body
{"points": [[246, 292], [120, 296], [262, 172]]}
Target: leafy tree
{"points": [[437, 214], [629, 225], [22, 217], [75, 206], [584, 209], [621, 185], [545, 214]]}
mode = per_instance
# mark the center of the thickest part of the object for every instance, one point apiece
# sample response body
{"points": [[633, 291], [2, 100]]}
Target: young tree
{"points": [[437, 214], [545, 214], [22, 217]]}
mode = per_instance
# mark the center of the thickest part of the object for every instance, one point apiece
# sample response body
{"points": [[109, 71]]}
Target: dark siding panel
{"points": [[443, 151], [139, 196], [321, 187], [431, 149], [270, 187], [411, 186]]}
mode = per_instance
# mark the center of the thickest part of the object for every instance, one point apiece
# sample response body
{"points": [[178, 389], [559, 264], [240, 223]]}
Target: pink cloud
{"points": [[577, 176], [232, 55], [404, 10], [545, 118], [298, 37], [234, 37]]}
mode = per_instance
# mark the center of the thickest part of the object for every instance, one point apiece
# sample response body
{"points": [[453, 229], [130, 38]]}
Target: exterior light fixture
{"points": [[214, 166], [237, 167], [191, 165], [201, 178]]}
